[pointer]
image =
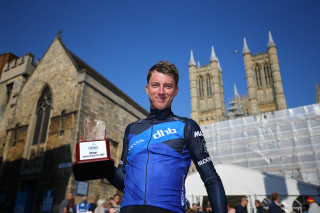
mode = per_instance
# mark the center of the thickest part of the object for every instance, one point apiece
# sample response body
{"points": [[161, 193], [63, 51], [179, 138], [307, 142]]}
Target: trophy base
{"points": [[93, 170]]}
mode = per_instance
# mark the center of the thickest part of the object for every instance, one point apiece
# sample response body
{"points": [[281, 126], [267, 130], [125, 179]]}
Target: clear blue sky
{"points": [[123, 39]]}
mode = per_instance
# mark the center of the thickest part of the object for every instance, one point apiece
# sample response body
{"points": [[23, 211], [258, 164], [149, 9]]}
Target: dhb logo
{"points": [[161, 133]]}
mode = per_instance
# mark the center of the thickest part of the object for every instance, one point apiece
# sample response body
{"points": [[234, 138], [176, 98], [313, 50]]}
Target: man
{"points": [[157, 153], [259, 208], [242, 207], [92, 206], [194, 208], [275, 206], [313, 206], [83, 206], [64, 206], [116, 202]]}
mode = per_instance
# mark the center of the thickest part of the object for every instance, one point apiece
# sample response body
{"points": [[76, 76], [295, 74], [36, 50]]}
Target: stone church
{"points": [[265, 90], [42, 108]]}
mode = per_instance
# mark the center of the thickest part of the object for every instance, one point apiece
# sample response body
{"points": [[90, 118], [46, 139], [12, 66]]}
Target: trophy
{"points": [[93, 159]]}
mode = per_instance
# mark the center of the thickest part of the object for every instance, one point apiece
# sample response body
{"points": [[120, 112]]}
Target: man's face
{"points": [[161, 90], [257, 204], [70, 196], [117, 198], [245, 201], [194, 207]]}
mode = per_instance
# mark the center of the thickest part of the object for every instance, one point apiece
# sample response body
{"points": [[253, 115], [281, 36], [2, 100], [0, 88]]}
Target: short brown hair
{"points": [[275, 196], [165, 67]]}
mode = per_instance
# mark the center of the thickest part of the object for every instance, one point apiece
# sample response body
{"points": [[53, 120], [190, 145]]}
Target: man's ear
{"points": [[147, 89], [176, 91]]}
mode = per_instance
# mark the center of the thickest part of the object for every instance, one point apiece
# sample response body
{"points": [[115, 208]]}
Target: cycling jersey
{"points": [[156, 157]]}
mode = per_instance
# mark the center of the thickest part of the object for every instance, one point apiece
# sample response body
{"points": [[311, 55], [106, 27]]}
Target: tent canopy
{"points": [[243, 181]]}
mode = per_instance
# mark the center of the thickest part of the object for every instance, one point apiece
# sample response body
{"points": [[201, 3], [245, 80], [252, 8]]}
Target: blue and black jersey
{"points": [[156, 157]]}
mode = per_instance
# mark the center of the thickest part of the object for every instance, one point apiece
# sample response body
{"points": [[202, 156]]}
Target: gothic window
{"points": [[42, 117], [9, 91], [268, 76], [62, 122], [201, 90], [209, 90], [258, 77]]}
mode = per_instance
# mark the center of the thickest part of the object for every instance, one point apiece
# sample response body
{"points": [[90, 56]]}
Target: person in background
{"points": [[313, 206], [259, 208], [275, 206], [207, 209], [116, 202], [83, 206], [242, 207], [230, 209], [195, 208], [101, 206], [65, 204], [92, 206], [110, 208]]}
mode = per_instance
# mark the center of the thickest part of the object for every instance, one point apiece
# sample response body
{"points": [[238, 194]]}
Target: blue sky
{"points": [[123, 39]]}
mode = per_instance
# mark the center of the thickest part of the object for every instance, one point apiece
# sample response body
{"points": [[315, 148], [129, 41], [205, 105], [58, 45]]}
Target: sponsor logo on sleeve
{"points": [[198, 134], [160, 133], [204, 161]]}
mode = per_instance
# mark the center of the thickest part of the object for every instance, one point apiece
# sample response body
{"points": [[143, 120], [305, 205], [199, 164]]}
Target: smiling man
{"points": [[157, 153]]}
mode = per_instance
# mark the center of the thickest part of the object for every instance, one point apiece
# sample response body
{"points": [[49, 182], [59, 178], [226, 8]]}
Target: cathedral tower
{"points": [[206, 88], [264, 83]]}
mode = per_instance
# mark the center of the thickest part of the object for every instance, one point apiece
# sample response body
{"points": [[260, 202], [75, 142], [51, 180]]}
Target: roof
{"points": [[84, 67]]}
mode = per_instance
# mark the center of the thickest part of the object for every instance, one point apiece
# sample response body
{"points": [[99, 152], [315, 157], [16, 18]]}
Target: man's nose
{"points": [[161, 89]]}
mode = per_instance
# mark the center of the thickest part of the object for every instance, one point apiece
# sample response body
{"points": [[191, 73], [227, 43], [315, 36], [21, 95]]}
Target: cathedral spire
{"points": [[213, 56], [271, 42], [219, 67], [236, 94], [192, 62], [245, 46]]}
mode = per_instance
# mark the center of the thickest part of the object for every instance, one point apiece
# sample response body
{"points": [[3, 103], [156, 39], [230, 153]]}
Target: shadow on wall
{"points": [[31, 178]]}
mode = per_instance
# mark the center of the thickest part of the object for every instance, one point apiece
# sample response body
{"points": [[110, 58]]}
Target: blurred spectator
{"points": [[242, 207], [101, 206], [275, 206], [83, 206], [313, 206], [65, 204], [208, 209], [260, 209], [92, 206], [116, 203], [230, 209], [194, 208], [110, 208]]}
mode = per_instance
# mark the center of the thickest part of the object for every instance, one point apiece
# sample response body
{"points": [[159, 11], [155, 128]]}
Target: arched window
{"points": [[258, 77], [208, 81], [268, 76], [42, 117], [201, 90]]}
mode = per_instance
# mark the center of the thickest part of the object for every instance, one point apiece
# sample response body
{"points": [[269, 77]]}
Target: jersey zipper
{"points": [[145, 186]]}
